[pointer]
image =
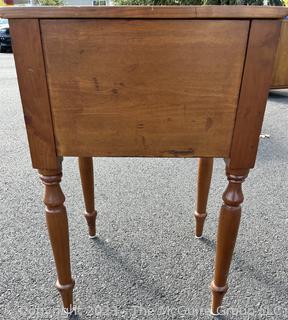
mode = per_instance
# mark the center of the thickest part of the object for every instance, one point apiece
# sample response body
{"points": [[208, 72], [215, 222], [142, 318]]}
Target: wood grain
{"points": [[157, 87], [256, 82], [30, 67], [87, 182], [280, 73], [229, 221], [144, 88], [205, 170], [57, 224], [151, 12]]}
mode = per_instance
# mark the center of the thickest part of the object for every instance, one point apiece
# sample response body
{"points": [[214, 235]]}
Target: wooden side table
{"points": [[144, 82]]}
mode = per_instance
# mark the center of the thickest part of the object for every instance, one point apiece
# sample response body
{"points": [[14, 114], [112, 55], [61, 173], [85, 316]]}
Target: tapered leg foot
{"points": [[57, 224], [91, 222], [87, 181], [66, 292], [200, 219], [229, 221], [204, 180], [217, 297]]}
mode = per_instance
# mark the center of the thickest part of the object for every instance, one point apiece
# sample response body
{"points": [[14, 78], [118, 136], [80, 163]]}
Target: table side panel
{"points": [[280, 74], [257, 77], [162, 88], [33, 87]]}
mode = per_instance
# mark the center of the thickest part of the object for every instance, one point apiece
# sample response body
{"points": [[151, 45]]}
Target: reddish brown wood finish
{"points": [[204, 179], [148, 12], [236, 116], [256, 82], [280, 74], [57, 223], [87, 181], [226, 237], [261, 50], [143, 94], [31, 74]]}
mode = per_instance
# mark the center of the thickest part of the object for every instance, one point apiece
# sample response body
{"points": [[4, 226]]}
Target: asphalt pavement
{"points": [[145, 263]]}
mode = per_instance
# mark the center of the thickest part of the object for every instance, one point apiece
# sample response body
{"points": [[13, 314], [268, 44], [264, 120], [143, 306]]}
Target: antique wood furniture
{"points": [[144, 82], [280, 73]]}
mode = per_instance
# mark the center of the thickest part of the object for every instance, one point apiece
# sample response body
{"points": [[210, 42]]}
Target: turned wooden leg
{"points": [[57, 223], [204, 180], [226, 237], [87, 181]]}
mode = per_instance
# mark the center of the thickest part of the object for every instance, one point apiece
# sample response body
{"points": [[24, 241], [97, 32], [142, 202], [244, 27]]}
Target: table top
{"points": [[147, 12]]}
